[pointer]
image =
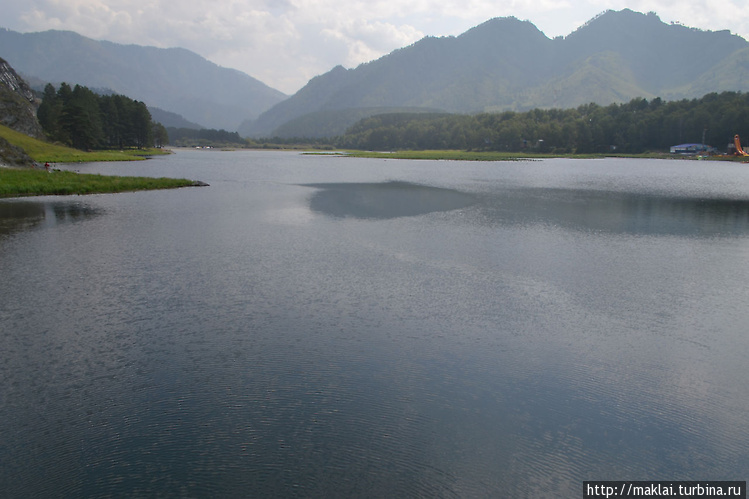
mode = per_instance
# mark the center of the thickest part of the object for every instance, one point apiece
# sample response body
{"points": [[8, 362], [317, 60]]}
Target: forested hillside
{"points": [[80, 118], [508, 64], [637, 126]]}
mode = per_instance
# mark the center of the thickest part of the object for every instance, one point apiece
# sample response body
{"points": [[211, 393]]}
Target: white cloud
{"points": [[286, 42]]}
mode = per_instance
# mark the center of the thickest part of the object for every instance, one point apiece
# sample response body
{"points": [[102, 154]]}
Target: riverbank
{"points": [[20, 182], [38, 180], [43, 152], [456, 155]]}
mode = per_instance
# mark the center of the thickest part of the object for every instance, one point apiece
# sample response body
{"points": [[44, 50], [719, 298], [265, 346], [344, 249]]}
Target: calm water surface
{"points": [[313, 326]]}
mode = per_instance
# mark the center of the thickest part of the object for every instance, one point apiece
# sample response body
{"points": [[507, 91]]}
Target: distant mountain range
{"points": [[502, 64], [507, 64], [175, 80]]}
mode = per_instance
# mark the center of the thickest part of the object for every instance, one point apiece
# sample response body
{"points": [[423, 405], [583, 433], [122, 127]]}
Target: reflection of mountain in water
{"points": [[620, 212], [576, 209], [20, 215], [385, 200]]}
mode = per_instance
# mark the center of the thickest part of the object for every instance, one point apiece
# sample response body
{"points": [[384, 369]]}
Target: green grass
{"points": [[458, 155], [443, 154], [43, 152], [505, 156], [16, 182]]}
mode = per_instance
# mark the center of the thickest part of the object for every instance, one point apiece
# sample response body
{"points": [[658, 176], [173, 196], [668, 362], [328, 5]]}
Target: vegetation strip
{"points": [[42, 152], [22, 182], [636, 127], [455, 155], [444, 155]]}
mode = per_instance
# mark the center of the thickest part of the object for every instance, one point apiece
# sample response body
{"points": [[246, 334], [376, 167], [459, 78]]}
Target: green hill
{"points": [[508, 64], [334, 122]]}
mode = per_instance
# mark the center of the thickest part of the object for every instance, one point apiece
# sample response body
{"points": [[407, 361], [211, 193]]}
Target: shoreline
{"points": [[457, 155], [27, 182]]}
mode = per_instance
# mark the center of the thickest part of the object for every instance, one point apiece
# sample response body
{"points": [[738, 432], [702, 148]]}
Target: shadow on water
{"points": [[619, 212], [573, 209], [16, 216], [385, 200]]}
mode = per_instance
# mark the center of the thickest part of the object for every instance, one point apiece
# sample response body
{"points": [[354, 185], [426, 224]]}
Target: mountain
{"points": [[175, 80], [17, 112], [332, 122], [507, 64], [169, 119]]}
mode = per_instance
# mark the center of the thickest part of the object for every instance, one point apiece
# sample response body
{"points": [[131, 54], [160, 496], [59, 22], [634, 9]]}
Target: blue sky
{"points": [[284, 43]]}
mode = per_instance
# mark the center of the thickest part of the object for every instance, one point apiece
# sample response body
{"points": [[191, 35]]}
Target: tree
{"points": [[85, 120], [160, 134], [141, 123], [49, 111]]}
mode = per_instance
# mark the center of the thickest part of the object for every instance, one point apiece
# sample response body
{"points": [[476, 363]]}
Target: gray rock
{"points": [[17, 103]]}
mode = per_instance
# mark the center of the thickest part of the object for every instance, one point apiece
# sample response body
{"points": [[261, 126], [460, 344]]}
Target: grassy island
{"points": [[457, 155], [16, 182], [447, 154]]}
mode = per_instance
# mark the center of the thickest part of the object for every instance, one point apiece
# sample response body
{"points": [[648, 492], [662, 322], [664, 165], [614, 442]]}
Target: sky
{"points": [[284, 43]]}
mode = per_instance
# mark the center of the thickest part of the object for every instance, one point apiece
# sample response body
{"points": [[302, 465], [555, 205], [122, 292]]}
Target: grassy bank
{"points": [[512, 156], [470, 155], [43, 152], [25, 182], [444, 154], [16, 182]]}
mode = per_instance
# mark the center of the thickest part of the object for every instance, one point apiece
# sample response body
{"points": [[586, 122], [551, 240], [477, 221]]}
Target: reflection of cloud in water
{"points": [[21, 215], [385, 200], [618, 212]]}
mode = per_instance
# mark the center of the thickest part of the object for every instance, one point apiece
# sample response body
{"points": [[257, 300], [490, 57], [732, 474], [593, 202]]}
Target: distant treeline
{"points": [[189, 137], [635, 127], [83, 119]]}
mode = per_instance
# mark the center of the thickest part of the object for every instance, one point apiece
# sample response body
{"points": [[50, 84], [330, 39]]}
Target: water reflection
{"points": [[16, 216], [187, 345], [577, 209], [620, 212], [385, 200]]}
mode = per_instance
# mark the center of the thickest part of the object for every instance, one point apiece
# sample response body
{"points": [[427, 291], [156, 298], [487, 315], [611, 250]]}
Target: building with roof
{"points": [[692, 149]]}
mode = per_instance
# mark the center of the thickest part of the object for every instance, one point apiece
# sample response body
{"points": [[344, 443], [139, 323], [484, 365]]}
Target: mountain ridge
{"points": [[508, 64], [173, 79]]}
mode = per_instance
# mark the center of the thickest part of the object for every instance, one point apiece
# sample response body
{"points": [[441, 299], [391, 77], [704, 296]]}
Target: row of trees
{"points": [[189, 137], [85, 120], [634, 127], [80, 118]]}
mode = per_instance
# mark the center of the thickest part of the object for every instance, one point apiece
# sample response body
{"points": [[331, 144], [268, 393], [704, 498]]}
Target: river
{"points": [[319, 326]]}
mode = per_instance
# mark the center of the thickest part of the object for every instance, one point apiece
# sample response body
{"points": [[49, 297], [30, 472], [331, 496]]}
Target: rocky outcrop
{"points": [[17, 103], [11, 155]]}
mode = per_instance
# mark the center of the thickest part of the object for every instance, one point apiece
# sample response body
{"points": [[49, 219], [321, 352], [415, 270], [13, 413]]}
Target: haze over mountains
{"points": [[502, 64], [507, 64], [174, 80]]}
